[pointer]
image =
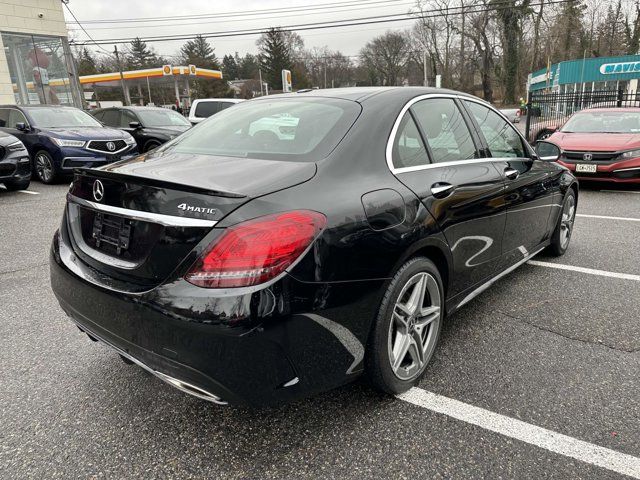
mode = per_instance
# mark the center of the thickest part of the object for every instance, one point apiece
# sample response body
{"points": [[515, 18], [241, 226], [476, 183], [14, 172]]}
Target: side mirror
{"points": [[135, 125], [547, 151], [22, 127]]}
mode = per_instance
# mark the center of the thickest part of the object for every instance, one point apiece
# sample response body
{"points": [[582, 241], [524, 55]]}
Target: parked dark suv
{"points": [[60, 139], [15, 170], [150, 126]]}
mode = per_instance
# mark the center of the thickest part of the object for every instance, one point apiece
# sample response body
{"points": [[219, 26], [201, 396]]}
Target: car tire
{"points": [[561, 236], [43, 167], [13, 185], [393, 360], [543, 135], [150, 145]]}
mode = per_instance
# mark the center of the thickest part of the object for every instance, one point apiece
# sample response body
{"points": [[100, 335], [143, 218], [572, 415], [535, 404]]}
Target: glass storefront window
{"points": [[39, 69]]}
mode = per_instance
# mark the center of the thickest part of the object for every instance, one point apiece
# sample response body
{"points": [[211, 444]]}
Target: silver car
{"points": [[15, 165]]}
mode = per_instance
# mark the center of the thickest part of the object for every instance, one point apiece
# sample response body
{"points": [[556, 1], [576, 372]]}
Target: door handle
{"points": [[511, 173], [442, 190]]}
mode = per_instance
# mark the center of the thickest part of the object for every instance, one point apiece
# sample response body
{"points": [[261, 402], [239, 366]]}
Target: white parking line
{"points": [[619, 191], [626, 219], [590, 271], [526, 432], [30, 192]]}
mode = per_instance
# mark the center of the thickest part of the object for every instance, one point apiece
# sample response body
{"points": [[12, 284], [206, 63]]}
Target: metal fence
{"points": [[546, 112]]}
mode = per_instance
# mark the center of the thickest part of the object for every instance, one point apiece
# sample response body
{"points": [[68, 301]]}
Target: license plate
{"points": [[112, 230], [581, 167]]}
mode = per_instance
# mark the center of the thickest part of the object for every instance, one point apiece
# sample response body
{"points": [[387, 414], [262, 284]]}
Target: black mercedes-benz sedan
{"points": [[292, 243]]}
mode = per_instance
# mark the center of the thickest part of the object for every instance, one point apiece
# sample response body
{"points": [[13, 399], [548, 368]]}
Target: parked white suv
{"points": [[205, 107]]}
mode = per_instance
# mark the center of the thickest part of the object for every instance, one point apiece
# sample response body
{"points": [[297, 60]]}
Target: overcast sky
{"points": [[348, 40]]}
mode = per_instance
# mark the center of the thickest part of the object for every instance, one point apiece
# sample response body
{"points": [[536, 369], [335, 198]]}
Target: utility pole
{"points": [[124, 88], [260, 76], [325, 73], [424, 67]]}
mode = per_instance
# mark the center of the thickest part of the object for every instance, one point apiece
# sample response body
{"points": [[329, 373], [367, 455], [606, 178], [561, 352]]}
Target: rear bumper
{"points": [[265, 347]]}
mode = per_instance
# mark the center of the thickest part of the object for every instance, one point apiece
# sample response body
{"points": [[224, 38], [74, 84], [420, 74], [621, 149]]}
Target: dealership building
{"points": [[587, 75], [36, 66]]}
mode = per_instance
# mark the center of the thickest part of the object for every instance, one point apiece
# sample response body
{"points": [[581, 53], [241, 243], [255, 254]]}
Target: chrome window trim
{"points": [[159, 218], [115, 152], [407, 106]]}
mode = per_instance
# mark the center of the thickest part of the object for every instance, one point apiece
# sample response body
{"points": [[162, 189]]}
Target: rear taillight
{"points": [[256, 251]]}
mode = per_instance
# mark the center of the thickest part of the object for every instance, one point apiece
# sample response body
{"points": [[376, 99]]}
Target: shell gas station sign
{"points": [[286, 81]]}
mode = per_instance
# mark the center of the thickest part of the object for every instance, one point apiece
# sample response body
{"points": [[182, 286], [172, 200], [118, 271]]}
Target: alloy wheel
{"points": [[413, 330], [44, 169], [566, 223]]}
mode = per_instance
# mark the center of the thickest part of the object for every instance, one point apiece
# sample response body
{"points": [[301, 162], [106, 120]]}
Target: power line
{"points": [[86, 33], [245, 13], [243, 19], [331, 23]]}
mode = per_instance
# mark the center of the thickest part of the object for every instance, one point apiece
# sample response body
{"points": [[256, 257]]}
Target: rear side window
{"points": [[408, 147], [280, 129], [4, 117], [206, 109], [444, 126], [501, 137], [223, 105], [111, 118]]}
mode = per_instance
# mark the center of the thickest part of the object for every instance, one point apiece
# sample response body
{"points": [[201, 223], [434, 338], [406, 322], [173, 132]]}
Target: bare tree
{"points": [[386, 56]]}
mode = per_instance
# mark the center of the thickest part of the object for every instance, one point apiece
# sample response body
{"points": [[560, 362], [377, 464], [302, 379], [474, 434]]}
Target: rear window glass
{"points": [[278, 129], [206, 109]]}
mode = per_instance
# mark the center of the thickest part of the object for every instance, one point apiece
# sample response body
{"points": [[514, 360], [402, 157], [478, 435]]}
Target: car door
{"points": [[139, 134], [434, 153], [528, 191]]}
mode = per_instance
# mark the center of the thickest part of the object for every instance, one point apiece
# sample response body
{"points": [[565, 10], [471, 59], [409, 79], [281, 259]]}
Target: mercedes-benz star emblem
{"points": [[587, 156], [98, 190], [111, 146]]}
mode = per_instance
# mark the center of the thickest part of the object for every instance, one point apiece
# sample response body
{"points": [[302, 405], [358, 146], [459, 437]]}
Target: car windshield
{"points": [[162, 118], [603, 122], [61, 117], [278, 129]]}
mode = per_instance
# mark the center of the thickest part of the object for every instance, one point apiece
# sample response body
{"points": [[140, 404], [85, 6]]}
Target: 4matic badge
{"points": [[191, 208]]}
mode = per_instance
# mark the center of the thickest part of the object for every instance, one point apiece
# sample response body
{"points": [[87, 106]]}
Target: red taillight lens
{"points": [[256, 251]]}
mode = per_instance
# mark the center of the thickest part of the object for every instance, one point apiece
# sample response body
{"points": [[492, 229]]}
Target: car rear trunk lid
{"points": [[139, 224]]}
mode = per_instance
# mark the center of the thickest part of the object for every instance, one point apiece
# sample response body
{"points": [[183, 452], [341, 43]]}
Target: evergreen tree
{"points": [[275, 55], [230, 67], [248, 67], [86, 63], [140, 55], [200, 53]]}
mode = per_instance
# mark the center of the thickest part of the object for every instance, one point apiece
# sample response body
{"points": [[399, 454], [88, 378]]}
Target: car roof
{"points": [[360, 94], [232, 100], [36, 106], [611, 109]]}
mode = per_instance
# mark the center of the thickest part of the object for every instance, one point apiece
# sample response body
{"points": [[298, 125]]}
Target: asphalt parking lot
{"points": [[553, 348]]}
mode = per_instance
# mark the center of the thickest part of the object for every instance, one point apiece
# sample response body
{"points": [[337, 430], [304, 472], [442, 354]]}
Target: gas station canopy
{"points": [[151, 75]]}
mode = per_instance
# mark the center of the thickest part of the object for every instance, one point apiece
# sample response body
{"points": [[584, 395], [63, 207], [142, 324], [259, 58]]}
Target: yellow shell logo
{"points": [[166, 69], [193, 69]]}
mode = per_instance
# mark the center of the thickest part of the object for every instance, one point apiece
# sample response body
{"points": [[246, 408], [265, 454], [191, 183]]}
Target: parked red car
{"points": [[601, 144]]}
